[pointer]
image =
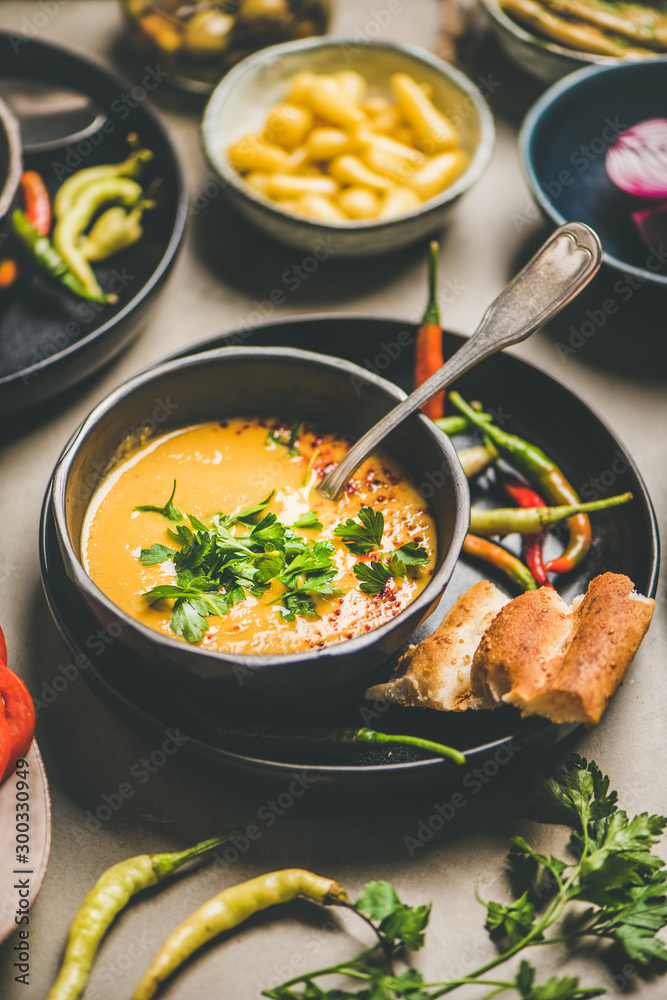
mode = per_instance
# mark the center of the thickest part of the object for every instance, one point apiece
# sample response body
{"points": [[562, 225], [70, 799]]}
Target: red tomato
{"points": [[6, 759], [19, 717]]}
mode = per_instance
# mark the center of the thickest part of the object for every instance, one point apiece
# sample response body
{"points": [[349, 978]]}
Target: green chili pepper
{"points": [[229, 909], [107, 898], [458, 425], [72, 224], [335, 740], [544, 474], [70, 191], [49, 260], [527, 520], [496, 555], [115, 230]]}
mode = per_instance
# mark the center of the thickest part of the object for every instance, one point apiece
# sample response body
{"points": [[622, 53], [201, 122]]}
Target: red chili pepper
{"points": [[533, 544], [8, 272], [428, 346], [17, 716], [36, 202]]}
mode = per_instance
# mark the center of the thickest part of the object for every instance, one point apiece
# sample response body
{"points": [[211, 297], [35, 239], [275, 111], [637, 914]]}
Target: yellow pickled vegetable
{"points": [[371, 140], [259, 181], [208, 33], [253, 153], [351, 170], [438, 173], [318, 206], [351, 84], [387, 164], [330, 151], [432, 129], [291, 186], [299, 159], [325, 143], [288, 124], [359, 203], [398, 201], [327, 99]]}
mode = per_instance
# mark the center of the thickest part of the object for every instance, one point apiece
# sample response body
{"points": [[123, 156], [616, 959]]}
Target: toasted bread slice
{"points": [[436, 673], [561, 663]]}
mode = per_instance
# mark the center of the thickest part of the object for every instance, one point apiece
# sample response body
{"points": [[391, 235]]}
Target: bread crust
{"points": [[559, 663], [436, 672]]}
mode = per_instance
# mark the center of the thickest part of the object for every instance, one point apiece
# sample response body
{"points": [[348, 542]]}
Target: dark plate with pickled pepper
{"points": [[49, 338], [625, 541]]}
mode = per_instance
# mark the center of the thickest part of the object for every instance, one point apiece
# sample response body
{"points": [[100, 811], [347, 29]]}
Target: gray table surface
{"points": [[223, 270]]}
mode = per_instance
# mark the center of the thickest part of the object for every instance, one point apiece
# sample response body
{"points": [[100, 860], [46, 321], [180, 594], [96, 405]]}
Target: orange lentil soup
{"points": [[225, 468]]}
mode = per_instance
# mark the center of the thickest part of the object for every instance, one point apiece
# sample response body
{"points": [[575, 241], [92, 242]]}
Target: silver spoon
{"points": [[50, 115], [558, 271]]}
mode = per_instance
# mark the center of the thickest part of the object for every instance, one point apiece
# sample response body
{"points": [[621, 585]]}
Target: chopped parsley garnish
{"points": [[168, 510], [362, 538], [309, 520], [374, 576]]}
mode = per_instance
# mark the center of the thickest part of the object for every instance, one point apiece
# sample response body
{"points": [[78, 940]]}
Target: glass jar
{"points": [[197, 42]]}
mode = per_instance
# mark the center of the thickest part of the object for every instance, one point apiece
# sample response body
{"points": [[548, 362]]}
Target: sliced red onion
{"points": [[637, 160], [652, 224]]}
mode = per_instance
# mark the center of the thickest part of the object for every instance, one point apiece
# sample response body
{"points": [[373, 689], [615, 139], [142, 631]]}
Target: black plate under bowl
{"points": [[527, 401], [49, 340]]}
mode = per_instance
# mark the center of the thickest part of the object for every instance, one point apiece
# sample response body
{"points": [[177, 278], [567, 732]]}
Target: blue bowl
{"points": [[563, 143]]}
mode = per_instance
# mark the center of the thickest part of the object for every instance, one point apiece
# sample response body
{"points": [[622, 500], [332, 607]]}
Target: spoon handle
{"points": [[559, 269]]}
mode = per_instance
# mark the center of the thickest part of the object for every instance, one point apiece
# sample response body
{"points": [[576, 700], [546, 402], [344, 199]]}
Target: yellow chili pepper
{"points": [[438, 173], [351, 170], [433, 130], [229, 909], [70, 190]]}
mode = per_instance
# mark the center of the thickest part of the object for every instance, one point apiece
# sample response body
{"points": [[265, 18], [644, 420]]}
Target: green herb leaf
{"points": [[374, 576], [365, 537], [574, 795], [168, 510], [378, 900], [156, 554], [511, 922], [251, 514], [287, 439], [309, 521]]}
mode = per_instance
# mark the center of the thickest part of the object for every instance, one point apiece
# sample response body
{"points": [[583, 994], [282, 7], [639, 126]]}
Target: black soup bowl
{"points": [[257, 381]]}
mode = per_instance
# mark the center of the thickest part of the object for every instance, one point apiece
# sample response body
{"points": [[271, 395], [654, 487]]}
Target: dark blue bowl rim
{"points": [[527, 134]]}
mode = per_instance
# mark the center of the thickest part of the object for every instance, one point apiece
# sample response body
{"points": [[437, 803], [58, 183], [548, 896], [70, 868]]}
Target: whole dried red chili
{"points": [[428, 346], [532, 544]]}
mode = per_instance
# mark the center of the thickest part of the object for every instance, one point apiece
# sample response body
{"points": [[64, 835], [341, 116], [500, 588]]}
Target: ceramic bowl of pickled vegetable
{"points": [[189, 519], [10, 168], [594, 147], [551, 38], [354, 148]]}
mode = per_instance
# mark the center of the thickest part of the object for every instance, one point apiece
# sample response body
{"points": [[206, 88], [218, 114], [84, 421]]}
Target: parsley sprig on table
{"points": [[215, 566], [611, 868]]}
